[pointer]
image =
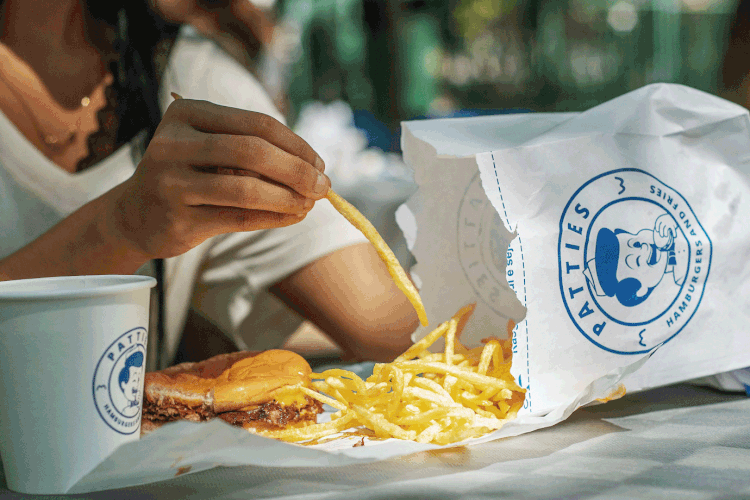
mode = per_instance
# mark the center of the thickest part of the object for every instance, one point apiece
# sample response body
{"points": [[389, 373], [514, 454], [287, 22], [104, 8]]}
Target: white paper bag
{"points": [[629, 238]]}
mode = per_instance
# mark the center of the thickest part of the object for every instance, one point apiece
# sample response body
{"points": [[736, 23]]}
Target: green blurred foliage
{"points": [[405, 58]]}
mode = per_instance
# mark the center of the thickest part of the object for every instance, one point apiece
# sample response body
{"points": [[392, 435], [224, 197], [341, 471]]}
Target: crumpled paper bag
{"points": [[609, 236]]}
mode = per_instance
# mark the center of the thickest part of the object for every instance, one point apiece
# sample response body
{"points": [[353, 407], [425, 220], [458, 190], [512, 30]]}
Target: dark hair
{"points": [[606, 258], [139, 36], [135, 359]]}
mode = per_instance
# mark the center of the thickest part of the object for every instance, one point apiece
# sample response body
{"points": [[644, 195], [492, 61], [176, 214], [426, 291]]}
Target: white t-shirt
{"points": [[222, 277]]}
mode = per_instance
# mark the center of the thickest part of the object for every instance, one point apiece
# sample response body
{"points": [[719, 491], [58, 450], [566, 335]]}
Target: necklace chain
{"points": [[54, 142]]}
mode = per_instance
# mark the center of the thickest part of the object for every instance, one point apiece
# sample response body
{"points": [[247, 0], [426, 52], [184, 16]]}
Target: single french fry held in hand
{"points": [[427, 397], [384, 252]]}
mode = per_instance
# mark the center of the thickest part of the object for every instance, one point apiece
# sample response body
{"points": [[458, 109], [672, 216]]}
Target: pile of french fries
{"points": [[427, 397], [421, 396]]}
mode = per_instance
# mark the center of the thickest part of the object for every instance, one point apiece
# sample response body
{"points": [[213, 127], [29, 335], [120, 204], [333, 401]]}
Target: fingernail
{"points": [[319, 163], [321, 185]]}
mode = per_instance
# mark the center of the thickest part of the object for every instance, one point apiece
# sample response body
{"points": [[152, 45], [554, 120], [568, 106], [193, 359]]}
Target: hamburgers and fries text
{"points": [[422, 396]]}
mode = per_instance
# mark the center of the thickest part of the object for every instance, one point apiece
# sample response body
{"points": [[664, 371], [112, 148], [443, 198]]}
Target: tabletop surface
{"points": [[680, 441]]}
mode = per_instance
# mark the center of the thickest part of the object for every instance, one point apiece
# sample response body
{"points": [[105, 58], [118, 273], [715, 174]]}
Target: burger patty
{"points": [[272, 415], [267, 415], [160, 412]]}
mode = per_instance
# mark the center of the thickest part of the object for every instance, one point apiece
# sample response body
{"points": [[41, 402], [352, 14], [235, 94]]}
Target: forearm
{"points": [[169, 206], [84, 243], [350, 295]]}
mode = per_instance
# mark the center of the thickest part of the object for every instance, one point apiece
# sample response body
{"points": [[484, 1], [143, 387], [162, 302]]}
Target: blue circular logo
{"points": [[118, 381], [633, 261]]}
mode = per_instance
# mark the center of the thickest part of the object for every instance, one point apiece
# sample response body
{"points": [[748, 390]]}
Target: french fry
{"points": [[422, 417], [380, 424], [486, 357], [398, 391], [432, 337], [435, 367], [427, 395], [312, 431], [345, 375], [463, 315], [324, 399], [423, 343], [448, 382], [433, 386], [429, 433], [450, 341], [386, 255]]}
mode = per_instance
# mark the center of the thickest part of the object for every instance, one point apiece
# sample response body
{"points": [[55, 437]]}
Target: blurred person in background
{"points": [[102, 173]]}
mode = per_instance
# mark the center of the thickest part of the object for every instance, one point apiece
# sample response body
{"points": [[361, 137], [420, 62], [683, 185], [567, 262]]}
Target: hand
{"points": [[212, 18], [665, 231], [178, 196]]}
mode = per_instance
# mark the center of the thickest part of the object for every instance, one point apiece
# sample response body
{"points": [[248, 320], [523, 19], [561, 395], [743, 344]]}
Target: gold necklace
{"points": [[56, 143], [53, 142]]}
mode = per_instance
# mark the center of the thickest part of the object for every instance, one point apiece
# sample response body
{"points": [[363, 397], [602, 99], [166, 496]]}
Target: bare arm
{"points": [[177, 198], [80, 244], [350, 295]]}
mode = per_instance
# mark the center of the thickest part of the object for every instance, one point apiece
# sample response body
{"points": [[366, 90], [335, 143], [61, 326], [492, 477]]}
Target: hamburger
{"points": [[253, 390]]}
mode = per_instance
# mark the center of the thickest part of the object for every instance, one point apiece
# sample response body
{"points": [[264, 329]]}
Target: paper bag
{"points": [[608, 236]]}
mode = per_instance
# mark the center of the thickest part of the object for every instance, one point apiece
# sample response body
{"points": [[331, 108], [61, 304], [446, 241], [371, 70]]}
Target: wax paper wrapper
{"points": [[549, 220], [185, 447]]}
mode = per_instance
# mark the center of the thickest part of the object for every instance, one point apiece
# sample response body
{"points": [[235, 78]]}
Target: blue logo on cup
{"points": [[633, 261], [118, 381]]}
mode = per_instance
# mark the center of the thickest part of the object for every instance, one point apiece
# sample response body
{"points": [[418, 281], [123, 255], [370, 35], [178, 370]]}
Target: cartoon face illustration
{"points": [[118, 378], [130, 378], [629, 266]]}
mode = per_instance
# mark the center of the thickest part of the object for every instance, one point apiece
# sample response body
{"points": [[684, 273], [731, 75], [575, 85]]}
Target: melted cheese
{"points": [[252, 381]]}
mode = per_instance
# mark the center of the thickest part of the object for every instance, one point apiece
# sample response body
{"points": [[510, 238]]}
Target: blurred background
{"points": [[347, 72], [394, 60]]}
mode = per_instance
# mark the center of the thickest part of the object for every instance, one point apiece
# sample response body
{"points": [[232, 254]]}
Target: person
{"points": [[630, 266], [103, 172]]}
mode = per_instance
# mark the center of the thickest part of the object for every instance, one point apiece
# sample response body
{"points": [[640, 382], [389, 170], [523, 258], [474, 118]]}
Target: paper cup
{"points": [[72, 360]]}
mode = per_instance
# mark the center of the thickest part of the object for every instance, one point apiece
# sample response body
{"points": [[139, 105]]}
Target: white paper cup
{"points": [[72, 359]]}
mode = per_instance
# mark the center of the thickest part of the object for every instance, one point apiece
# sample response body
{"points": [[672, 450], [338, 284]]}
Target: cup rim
{"points": [[78, 287]]}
